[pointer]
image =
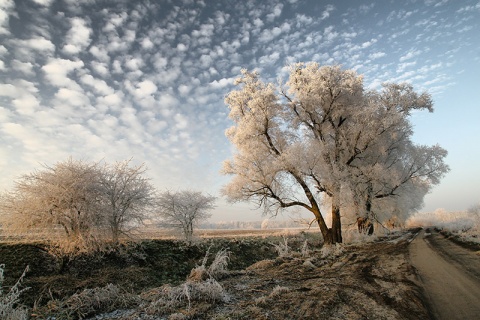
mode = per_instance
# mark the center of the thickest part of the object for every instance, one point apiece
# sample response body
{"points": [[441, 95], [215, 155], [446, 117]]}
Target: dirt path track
{"points": [[453, 292]]}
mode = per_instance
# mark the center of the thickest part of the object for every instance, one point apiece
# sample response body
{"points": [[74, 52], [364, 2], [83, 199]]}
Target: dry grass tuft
{"points": [[91, 301], [201, 286]]}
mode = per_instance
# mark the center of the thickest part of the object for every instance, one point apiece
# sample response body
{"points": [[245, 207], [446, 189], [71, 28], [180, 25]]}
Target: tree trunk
{"points": [[365, 225], [336, 223], [115, 234], [326, 232]]}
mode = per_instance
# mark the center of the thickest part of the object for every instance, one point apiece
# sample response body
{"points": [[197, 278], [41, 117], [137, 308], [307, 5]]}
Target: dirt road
{"points": [[449, 275]]}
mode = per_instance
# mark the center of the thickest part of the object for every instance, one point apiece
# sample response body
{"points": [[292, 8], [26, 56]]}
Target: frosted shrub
{"points": [[170, 298], [217, 268], [90, 300], [9, 302], [282, 249], [219, 265], [200, 286], [305, 250]]}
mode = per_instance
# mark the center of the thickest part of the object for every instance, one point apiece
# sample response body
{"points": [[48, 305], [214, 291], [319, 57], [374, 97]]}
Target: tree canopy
{"points": [[322, 135]]}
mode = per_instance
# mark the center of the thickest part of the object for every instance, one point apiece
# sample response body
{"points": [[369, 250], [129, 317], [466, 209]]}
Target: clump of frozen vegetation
{"points": [[89, 301], [332, 251], [201, 286], [10, 307], [217, 268], [465, 224], [305, 251], [353, 236], [282, 248]]}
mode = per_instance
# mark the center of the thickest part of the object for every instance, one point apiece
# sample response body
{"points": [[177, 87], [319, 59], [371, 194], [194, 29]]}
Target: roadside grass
{"points": [[136, 268]]}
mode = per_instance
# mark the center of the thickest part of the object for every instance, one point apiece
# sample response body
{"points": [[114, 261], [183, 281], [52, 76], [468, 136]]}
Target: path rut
{"points": [[453, 293]]}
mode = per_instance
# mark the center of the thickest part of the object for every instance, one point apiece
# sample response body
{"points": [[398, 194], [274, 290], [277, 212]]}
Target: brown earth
{"points": [[450, 275]]}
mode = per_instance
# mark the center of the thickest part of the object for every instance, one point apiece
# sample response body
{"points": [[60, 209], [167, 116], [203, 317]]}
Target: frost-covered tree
{"points": [[273, 166], [77, 205], [184, 210], [59, 203], [127, 197], [389, 173], [323, 134]]}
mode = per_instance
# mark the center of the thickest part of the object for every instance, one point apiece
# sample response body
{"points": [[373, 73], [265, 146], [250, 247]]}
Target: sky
{"points": [[115, 79]]}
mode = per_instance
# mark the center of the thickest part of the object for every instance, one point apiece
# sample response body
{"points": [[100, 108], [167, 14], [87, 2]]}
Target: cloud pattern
{"points": [[115, 79]]}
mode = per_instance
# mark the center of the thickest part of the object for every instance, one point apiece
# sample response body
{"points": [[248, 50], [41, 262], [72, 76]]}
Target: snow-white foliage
{"points": [[201, 285], [95, 299], [353, 236], [215, 270], [184, 210], [58, 203], [441, 218], [218, 267], [10, 307], [322, 134]]}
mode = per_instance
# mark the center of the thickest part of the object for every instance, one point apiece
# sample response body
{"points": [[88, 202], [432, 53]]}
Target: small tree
{"points": [[59, 203], [127, 197], [183, 210]]}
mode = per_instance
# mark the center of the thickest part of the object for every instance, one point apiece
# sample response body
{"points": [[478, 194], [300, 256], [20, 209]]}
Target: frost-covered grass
{"points": [[10, 307], [353, 236], [282, 248], [201, 286], [465, 224]]}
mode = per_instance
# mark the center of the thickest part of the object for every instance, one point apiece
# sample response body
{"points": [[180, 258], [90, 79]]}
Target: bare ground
{"points": [[450, 275]]}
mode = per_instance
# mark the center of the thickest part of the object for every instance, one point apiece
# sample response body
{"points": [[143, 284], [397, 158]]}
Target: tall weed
{"points": [[10, 307]]}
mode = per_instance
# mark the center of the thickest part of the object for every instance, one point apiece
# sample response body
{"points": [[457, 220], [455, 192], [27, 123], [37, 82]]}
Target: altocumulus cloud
{"points": [[112, 80]]}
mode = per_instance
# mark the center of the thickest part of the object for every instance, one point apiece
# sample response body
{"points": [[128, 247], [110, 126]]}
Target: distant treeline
{"points": [[265, 224]]}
